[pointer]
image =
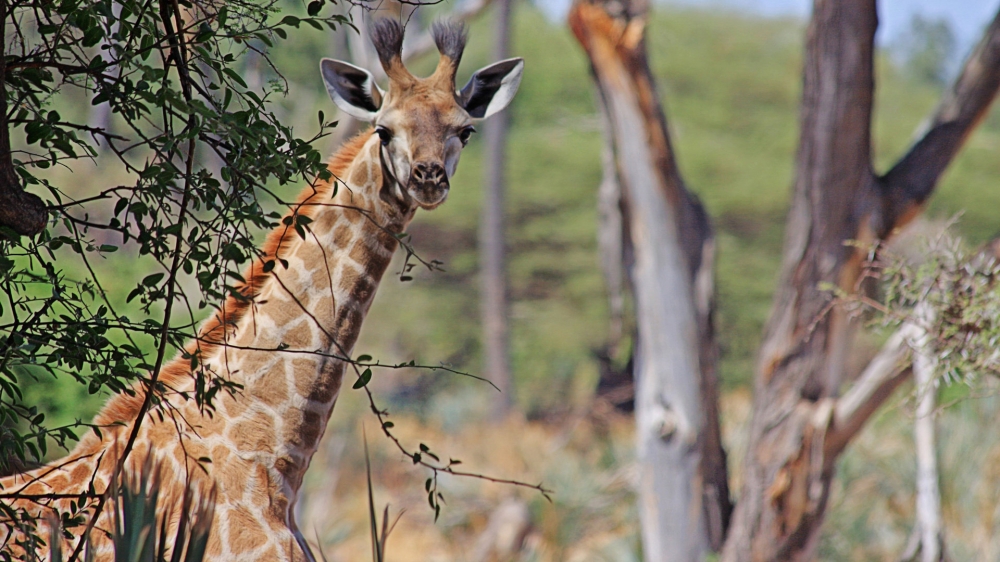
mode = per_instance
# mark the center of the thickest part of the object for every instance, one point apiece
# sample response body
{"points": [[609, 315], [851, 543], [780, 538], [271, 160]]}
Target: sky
{"points": [[966, 17]]}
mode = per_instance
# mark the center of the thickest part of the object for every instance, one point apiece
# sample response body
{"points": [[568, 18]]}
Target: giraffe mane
{"points": [[125, 407]]}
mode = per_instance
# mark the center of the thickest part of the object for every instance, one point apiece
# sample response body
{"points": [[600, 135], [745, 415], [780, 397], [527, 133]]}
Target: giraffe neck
{"points": [[287, 348]]}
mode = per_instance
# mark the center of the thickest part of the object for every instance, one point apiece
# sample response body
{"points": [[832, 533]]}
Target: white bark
{"points": [[668, 402], [928, 495]]}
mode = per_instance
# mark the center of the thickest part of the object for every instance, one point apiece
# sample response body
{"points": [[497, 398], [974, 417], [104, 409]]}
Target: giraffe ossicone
{"points": [[260, 440]]}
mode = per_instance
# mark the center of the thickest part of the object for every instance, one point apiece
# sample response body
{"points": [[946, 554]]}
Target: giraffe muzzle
{"points": [[428, 184]]}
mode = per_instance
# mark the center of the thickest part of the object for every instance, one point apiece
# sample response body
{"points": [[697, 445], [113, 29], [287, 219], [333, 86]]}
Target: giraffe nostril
{"points": [[428, 172]]}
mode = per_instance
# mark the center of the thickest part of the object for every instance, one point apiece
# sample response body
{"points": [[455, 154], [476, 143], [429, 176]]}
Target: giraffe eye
{"points": [[384, 135], [465, 134]]}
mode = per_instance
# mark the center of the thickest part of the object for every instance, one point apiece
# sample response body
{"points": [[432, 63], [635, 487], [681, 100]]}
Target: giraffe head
{"points": [[422, 123]]}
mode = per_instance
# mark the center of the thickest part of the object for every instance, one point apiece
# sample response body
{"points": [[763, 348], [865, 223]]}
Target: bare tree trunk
{"points": [[683, 490], [491, 236], [799, 425]]}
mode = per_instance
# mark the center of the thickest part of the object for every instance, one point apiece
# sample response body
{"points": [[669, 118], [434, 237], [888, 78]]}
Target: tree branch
{"points": [[928, 494], [908, 184], [890, 367]]}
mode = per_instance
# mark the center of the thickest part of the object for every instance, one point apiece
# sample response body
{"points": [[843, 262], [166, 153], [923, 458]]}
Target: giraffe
{"points": [[304, 294]]}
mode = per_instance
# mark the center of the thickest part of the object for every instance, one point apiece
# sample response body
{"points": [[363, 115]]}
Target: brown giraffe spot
{"points": [[290, 471], [235, 405], [385, 239], [308, 385], [306, 432], [286, 466], [311, 253], [212, 423], [343, 234], [245, 532], [321, 275], [167, 476], [359, 176], [308, 364], [354, 215], [80, 473], [369, 260], [271, 389], [160, 432], [325, 305], [275, 523], [140, 450], [348, 324], [57, 482], [232, 479], [361, 286], [301, 335], [254, 434], [326, 386], [193, 450], [220, 454], [281, 312]]}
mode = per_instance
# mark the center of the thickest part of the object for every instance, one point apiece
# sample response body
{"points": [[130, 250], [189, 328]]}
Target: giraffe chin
{"points": [[428, 197]]}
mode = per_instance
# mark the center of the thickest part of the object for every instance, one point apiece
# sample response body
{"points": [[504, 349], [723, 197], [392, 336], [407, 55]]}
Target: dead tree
{"points": [[802, 417], [683, 510]]}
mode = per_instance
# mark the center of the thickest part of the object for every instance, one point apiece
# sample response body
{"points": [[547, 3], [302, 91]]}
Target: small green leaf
{"points": [[363, 379], [152, 280]]}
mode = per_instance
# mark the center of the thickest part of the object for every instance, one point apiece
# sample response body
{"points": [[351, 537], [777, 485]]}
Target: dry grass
{"points": [[587, 460]]}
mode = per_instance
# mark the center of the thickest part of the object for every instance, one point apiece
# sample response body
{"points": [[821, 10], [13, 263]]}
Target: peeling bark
{"points": [[684, 494], [787, 475], [799, 425]]}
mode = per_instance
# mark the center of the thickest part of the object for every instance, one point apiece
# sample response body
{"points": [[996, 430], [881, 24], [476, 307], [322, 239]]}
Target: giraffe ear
{"points": [[490, 89], [353, 89]]}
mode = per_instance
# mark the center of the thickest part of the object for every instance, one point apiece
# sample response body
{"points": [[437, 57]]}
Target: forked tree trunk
{"points": [[683, 490], [800, 423]]}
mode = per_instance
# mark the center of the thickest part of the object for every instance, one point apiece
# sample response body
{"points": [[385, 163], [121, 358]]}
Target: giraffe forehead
{"points": [[422, 110]]}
